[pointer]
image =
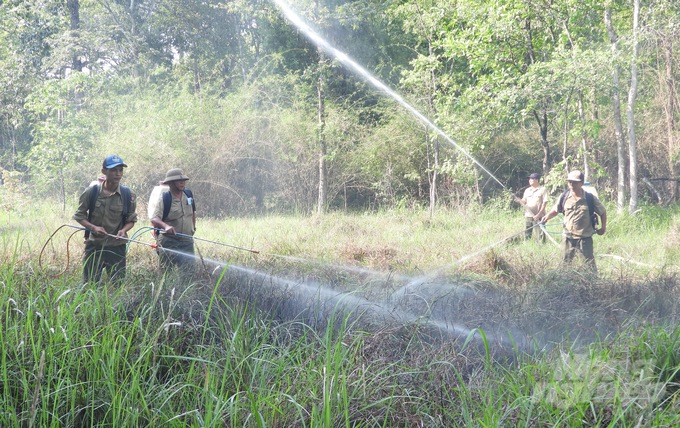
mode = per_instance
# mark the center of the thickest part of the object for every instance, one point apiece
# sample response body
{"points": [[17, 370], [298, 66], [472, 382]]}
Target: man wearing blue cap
{"points": [[108, 211], [534, 201]]}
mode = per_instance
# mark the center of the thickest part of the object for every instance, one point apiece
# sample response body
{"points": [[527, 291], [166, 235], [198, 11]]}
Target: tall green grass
{"points": [[161, 352], [82, 355]]}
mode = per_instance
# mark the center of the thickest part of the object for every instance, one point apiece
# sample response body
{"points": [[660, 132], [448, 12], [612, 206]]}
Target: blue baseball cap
{"points": [[112, 162], [535, 175]]}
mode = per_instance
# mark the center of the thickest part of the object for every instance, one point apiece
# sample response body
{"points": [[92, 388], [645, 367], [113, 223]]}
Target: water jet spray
{"points": [[298, 22]]}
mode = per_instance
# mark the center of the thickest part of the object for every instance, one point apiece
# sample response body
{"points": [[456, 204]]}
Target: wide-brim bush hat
{"points": [[575, 175], [174, 175]]}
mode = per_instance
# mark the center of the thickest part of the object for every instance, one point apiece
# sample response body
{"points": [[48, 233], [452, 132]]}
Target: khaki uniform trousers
{"points": [[583, 246], [537, 231], [96, 259]]}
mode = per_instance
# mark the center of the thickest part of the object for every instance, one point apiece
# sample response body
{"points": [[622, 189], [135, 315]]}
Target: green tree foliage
{"points": [[62, 137], [228, 90], [25, 30], [522, 57], [240, 155]]}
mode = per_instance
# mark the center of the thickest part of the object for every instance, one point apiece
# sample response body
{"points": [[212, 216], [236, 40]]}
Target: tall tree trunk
{"points": [[584, 145], [323, 171], [673, 166], [435, 141], [237, 24], [196, 73], [543, 128], [135, 46], [543, 118], [630, 112], [566, 133], [618, 125], [12, 136], [62, 189], [74, 13], [595, 118], [433, 173]]}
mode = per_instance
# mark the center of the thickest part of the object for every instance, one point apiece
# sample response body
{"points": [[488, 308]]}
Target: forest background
{"points": [[264, 121]]}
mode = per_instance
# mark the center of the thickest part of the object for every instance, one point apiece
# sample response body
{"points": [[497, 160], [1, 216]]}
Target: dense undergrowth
{"points": [[232, 349]]}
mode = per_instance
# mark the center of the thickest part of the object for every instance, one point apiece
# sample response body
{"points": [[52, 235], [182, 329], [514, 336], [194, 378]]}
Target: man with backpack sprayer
{"points": [[106, 208], [580, 209], [175, 214], [535, 200]]}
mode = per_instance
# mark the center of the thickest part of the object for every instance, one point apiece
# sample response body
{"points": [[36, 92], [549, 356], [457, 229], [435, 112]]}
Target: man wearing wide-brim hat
{"points": [[535, 200], [175, 215], [578, 228]]}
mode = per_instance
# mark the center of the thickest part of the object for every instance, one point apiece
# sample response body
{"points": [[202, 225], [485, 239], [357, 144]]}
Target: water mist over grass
{"points": [[250, 349], [564, 305]]}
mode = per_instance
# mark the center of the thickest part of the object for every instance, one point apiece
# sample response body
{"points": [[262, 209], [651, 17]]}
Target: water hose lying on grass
{"points": [[68, 255], [146, 229], [205, 240], [138, 233], [79, 228], [547, 232]]}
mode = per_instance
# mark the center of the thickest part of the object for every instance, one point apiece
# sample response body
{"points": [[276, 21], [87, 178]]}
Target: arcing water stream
{"points": [[296, 20], [408, 289]]}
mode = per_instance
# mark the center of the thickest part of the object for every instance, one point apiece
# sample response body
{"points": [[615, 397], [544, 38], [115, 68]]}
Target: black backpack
{"points": [[590, 200], [124, 193], [167, 201]]}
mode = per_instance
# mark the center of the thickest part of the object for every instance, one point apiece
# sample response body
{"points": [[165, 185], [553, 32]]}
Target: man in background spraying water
{"points": [[108, 210], [175, 214], [535, 200], [579, 208]]}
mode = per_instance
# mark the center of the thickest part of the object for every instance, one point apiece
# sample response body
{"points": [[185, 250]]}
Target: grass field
{"points": [[389, 319]]}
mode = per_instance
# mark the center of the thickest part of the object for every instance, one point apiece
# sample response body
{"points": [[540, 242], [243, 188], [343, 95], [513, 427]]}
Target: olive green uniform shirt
{"points": [[180, 216], [577, 224], [535, 198], [107, 213]]}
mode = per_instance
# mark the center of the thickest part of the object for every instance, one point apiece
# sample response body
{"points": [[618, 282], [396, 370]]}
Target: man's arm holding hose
{"points": [[81, 214], [97, 230], [157, 222], [160, 224], [544, 205], [603, 226], [551, 214]]}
